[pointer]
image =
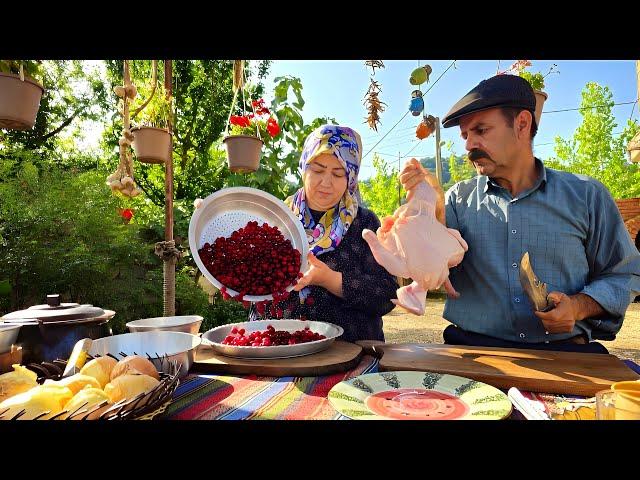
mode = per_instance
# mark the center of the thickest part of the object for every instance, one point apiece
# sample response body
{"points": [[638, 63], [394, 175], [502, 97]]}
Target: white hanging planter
{"points": [[243, 152], [541, 97], [150, 144]]}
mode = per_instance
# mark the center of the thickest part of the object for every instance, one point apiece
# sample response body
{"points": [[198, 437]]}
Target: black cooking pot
{"points": [[50, 331]]}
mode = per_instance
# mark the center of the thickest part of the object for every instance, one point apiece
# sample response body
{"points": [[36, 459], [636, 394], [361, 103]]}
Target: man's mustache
{"points": [[477, 154]]}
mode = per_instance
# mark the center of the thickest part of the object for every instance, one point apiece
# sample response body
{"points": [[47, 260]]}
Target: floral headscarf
{"points": [[345, 144]]}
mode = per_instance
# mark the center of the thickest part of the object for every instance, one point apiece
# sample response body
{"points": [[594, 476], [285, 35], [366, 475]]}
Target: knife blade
{"points": [[535, 289], [78, 357], [526, 406]]}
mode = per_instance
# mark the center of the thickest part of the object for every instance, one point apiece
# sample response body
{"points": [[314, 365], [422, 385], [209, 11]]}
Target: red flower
{"points": [[272, 127], [259, 107], [239, 120], [127, 214]]}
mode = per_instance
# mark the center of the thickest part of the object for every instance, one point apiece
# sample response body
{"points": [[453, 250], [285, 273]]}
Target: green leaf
{"points": [[5, 288], [261, 176]]}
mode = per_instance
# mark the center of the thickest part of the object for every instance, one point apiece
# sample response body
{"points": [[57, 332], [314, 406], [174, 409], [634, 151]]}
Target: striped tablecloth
{"points": [[566, 407], [250, 397]]}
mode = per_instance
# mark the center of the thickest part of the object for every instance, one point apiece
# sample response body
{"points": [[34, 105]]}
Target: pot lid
{"points": [[54, 311]]}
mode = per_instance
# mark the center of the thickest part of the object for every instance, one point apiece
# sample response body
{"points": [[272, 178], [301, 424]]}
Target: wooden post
{"points": [[169, 267], [438, 157]]}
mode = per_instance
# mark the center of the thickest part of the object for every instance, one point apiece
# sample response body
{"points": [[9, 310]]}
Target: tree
{"points": [[202, 92], [203, 96], [380, 192], [595, 150], [74, 93]]}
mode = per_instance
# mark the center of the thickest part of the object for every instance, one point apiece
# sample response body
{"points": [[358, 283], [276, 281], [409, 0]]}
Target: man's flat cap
{"points": [[498, 91]]}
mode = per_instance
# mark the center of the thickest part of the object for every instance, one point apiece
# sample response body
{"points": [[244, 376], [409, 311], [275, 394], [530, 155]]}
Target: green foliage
{"points": [[535, 79], [61, 233], [202, 94], [259, 127], [380, 192], [29, 67], [222, 312], [594, 150], [459, 168], [157, 112], [74, 93]]}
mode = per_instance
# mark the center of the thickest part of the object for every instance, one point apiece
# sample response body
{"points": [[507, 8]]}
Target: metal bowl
{"points": [[177, 346], [185, 323], [8, 336], [230, 209], [215, 337]]}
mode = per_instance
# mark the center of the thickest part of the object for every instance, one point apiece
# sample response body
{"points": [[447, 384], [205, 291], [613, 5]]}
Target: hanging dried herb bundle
{"points": [[374, 105], [373, 64]]}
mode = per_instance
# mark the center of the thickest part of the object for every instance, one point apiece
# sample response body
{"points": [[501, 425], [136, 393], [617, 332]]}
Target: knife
{"points": [[535, 289], [525, 406], [78, 357]]}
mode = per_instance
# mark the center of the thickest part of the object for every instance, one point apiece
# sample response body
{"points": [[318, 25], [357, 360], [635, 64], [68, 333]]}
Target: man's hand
{"points": [[568, 310], [563, 317], [321, 275], [412, 174]]}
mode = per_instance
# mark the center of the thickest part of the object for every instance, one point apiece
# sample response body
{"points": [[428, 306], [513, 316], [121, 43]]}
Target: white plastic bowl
{"points": [[8, 336]]}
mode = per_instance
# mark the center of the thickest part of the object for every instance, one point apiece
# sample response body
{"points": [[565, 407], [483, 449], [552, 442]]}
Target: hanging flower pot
{"points": [[536, 80], [151, 144], [245, 141], [243, 152], [19, 101], [541, 97]]}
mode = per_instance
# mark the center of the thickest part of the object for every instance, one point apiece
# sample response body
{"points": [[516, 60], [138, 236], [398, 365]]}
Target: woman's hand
{"points": [[321, 275]]}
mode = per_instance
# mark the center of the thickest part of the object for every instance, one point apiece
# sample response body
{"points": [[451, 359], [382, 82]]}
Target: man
{"points": [[568, 223]]}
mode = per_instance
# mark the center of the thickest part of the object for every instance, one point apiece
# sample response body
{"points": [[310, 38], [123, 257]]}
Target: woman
{"points": [[345, 286]]}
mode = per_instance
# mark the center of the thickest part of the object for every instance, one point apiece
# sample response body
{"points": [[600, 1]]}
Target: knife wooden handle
{"points": [[368, 347]]}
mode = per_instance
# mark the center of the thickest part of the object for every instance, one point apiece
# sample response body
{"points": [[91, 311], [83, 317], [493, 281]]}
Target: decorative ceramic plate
{"points": [[418, 396]]}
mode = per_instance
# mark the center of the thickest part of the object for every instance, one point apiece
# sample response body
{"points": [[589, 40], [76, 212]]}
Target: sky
{"points": [[337, 88]]}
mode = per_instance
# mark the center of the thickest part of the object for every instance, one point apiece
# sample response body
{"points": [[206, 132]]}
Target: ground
{"points": [[400, 326]]}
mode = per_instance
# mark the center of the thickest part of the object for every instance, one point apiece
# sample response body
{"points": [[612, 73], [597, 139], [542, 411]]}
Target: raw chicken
{"points": [[414, 244]]}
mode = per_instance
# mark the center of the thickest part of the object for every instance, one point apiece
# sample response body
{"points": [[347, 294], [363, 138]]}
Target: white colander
{"points": [[230, 209]]}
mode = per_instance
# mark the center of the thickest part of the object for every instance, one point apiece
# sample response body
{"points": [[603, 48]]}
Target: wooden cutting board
{"points": [[340, 356], [531, 370]]}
